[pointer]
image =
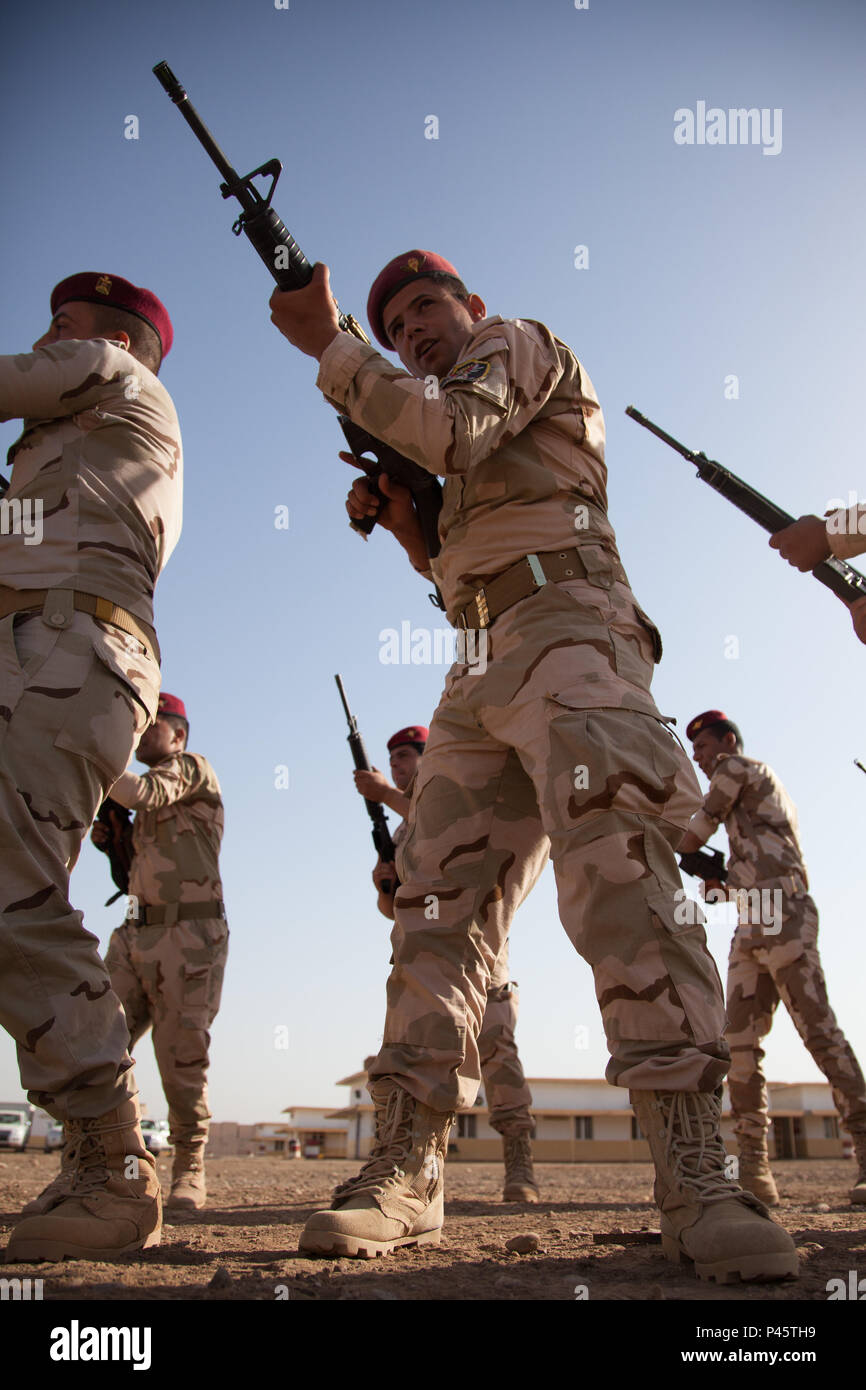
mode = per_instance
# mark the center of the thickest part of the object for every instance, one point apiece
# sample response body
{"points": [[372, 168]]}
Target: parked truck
{"points": [[16, 1122]]}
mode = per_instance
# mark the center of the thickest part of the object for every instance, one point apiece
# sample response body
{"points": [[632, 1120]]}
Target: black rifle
{"points": [[705, 864], [290, 268], [381, 834], [840, 577], [118, 821], [857, 763]]}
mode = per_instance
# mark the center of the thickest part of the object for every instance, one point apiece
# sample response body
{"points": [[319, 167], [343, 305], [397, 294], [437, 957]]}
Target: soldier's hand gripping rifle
{"points": [[843, 579], [381, 834], [117, 820], [291, 270], [705, 864]]}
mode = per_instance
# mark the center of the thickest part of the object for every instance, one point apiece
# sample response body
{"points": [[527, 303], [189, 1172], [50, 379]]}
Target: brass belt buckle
{"points": [[481, 608]]}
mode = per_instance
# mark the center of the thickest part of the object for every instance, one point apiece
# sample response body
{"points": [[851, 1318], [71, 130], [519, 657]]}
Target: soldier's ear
{"points": [[477, 307]]}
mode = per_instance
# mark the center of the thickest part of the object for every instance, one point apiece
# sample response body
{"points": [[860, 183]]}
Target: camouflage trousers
{"points": [[509, 1099], [67, 728], [518, 746], [171, 978], [762, 969]]}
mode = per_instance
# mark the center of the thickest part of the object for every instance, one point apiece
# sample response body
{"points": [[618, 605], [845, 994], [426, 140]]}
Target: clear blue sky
{"points": [[555, 130]]}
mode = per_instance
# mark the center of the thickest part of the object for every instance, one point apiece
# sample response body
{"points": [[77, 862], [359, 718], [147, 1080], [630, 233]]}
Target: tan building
{"points": [[231, 1140], [584, 1121], [576, 1120], [324, 1133]]}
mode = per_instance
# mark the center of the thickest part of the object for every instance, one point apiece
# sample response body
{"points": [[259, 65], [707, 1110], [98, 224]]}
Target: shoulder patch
{"points": [[473, 369]]}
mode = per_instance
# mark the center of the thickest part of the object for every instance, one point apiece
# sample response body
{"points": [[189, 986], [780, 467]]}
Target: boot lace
{"points": [[84, 1153], [393, 1142], [695, 1148]]}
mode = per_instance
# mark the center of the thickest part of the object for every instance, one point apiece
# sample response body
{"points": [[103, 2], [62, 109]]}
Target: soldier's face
{"points": [[404, 761], [160, 741], [72, 320], [706, 750], [428, 326]]}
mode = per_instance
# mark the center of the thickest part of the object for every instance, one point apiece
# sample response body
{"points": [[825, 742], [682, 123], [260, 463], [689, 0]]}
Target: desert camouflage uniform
{"points": [[509, 1099], [560, 731], [766, 963], [101, 450], [170, 975]]}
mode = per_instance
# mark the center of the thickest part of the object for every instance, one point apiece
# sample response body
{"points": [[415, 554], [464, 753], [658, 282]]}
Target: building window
{"points": [[466, 1126], [279, 1145], [583, 1126], [831, 1127]]}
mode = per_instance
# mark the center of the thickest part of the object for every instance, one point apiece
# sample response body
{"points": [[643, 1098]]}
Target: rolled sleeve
{"points": [[703, 826], [846, 531], [161, 786], [62, 378], [505, 374]]}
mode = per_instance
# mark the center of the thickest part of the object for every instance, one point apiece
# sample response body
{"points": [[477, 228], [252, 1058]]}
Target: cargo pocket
{"points": [[196, 992], [693, 988], [102, 722], [637, 647]]}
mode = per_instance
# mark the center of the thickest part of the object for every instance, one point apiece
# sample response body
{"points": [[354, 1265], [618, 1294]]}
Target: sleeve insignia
{"points": [[472, 370]]}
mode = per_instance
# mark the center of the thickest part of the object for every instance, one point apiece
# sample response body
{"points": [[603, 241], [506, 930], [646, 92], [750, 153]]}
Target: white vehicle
{"points": [[54, 1138], [16, 1119], [155, 1136]]}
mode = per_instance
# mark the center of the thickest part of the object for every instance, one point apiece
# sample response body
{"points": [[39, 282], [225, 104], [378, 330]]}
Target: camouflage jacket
{"points": [[101, 455], [515, 429], [761, 822], [177, 830], [846, 531]]}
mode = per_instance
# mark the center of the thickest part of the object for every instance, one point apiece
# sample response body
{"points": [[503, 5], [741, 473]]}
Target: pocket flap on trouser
{"points": [[677, 912]]}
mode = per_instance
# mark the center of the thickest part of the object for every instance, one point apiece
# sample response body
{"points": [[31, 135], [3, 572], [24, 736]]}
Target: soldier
{"points": [[811, 539], [508, 1097], [774, 953], [560, 729], [167, 960], [99, 464]]}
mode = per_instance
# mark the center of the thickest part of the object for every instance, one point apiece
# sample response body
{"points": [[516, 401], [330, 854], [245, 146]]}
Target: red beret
{"points": [[412, 265], [703, 721], [95, 288], [170, 704], [416, 733]]}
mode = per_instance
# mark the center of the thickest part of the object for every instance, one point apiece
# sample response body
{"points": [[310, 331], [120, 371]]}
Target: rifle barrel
{"points": [[340, 687], [166, 78], [689, 454]]}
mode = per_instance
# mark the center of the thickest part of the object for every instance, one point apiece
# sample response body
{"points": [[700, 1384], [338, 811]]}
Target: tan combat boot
{"points": [[59, 1186], [705, 1217], [858, 1191], [520, 1184], [754, 1172], [188, 1190], [396, 1199], [111, 1204]]}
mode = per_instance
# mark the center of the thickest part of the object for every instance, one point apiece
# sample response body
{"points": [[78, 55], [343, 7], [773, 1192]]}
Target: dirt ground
{"points": [[596, 1226]]}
